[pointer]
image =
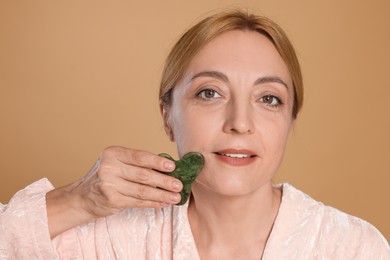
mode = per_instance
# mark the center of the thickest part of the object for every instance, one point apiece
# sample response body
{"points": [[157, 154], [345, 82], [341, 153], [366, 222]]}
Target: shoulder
{"points": [[24, 232], [137, 232], [141, 218], [328, 230], [142, 221]]}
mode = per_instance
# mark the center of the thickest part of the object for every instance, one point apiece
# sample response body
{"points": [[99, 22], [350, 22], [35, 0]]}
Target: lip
{"points": [[236, 161]]}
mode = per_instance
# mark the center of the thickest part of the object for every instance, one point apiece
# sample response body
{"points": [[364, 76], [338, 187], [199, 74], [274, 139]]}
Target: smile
{"points": [[236, 155]]}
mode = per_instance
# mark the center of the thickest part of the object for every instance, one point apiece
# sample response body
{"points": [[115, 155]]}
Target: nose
{"points": [[239, 118]]}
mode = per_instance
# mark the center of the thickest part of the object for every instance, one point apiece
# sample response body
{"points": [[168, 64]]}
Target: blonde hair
{"points": [[209, 28]]}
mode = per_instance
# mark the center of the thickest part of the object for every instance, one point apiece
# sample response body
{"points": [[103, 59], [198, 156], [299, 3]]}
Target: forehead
{"points": [[240, 52]]}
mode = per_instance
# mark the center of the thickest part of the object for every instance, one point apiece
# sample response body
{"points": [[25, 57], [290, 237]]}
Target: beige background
{"points": [[77, 76]]}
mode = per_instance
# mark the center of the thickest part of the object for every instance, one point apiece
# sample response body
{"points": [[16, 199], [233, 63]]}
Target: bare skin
{"points": [[239, 89], [121, 178], [226, 234]]}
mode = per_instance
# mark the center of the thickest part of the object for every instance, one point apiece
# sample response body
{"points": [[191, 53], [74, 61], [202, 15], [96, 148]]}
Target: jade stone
{"points": [[187, 169]]}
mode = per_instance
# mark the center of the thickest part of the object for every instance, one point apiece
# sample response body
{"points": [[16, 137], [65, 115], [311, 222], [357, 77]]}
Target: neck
{"points": [[233, 224]]}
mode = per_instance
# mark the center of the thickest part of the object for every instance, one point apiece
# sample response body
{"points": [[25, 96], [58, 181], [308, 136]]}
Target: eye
{"points": [[208, 94], [270, 100]]}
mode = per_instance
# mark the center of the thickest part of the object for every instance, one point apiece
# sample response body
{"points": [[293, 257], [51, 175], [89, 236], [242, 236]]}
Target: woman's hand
{"points": [[121, 178]]}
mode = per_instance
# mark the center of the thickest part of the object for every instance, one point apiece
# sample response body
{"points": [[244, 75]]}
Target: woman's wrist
{"points": [[64, 210]]}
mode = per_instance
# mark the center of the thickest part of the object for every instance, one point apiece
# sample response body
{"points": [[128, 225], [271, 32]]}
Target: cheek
{"points": [[274, 133], [280, 138], [192, 129]]}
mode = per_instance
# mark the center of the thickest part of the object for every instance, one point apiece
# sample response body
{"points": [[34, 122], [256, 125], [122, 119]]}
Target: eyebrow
{"points": [[223, 77], [212, 74], [270, 79]]}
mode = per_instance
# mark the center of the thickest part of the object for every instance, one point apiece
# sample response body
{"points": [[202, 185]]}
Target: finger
{"points": [[117, 202], [148, 193], [140, 158], [137, 203], [151, 178]]}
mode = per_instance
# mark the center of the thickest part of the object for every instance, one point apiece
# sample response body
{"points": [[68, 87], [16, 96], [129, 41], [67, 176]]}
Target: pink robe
{"points": [[304, 229]]}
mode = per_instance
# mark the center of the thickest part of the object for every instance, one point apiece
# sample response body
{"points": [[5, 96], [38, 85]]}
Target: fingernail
{"points": [[174, 198], [169, 165], [176, 185]]}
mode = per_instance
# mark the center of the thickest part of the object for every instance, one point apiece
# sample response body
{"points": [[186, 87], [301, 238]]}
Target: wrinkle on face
{"points": [[243, 67]]}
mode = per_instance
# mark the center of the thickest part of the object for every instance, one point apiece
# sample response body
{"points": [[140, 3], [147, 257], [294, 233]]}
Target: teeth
{"points": [[233, 155]]}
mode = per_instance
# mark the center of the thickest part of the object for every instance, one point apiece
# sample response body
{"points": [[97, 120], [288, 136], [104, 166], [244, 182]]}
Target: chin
{"points": [[231, 188]]}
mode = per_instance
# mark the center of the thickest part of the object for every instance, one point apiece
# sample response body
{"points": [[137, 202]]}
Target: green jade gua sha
{"points": [[187, 169]]}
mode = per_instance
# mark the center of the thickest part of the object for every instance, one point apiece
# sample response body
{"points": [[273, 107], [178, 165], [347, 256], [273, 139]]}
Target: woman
{"points": [[231, 90]]}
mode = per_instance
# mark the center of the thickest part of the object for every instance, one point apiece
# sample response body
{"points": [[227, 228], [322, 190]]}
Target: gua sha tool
{"points": [[187, 169]]}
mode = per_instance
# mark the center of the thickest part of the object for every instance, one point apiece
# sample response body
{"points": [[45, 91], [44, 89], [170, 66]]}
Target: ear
{"points": [[167, 125]]}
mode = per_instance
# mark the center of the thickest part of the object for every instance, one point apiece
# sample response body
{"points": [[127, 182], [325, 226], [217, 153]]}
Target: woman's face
{"points": [[234, 105]]}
